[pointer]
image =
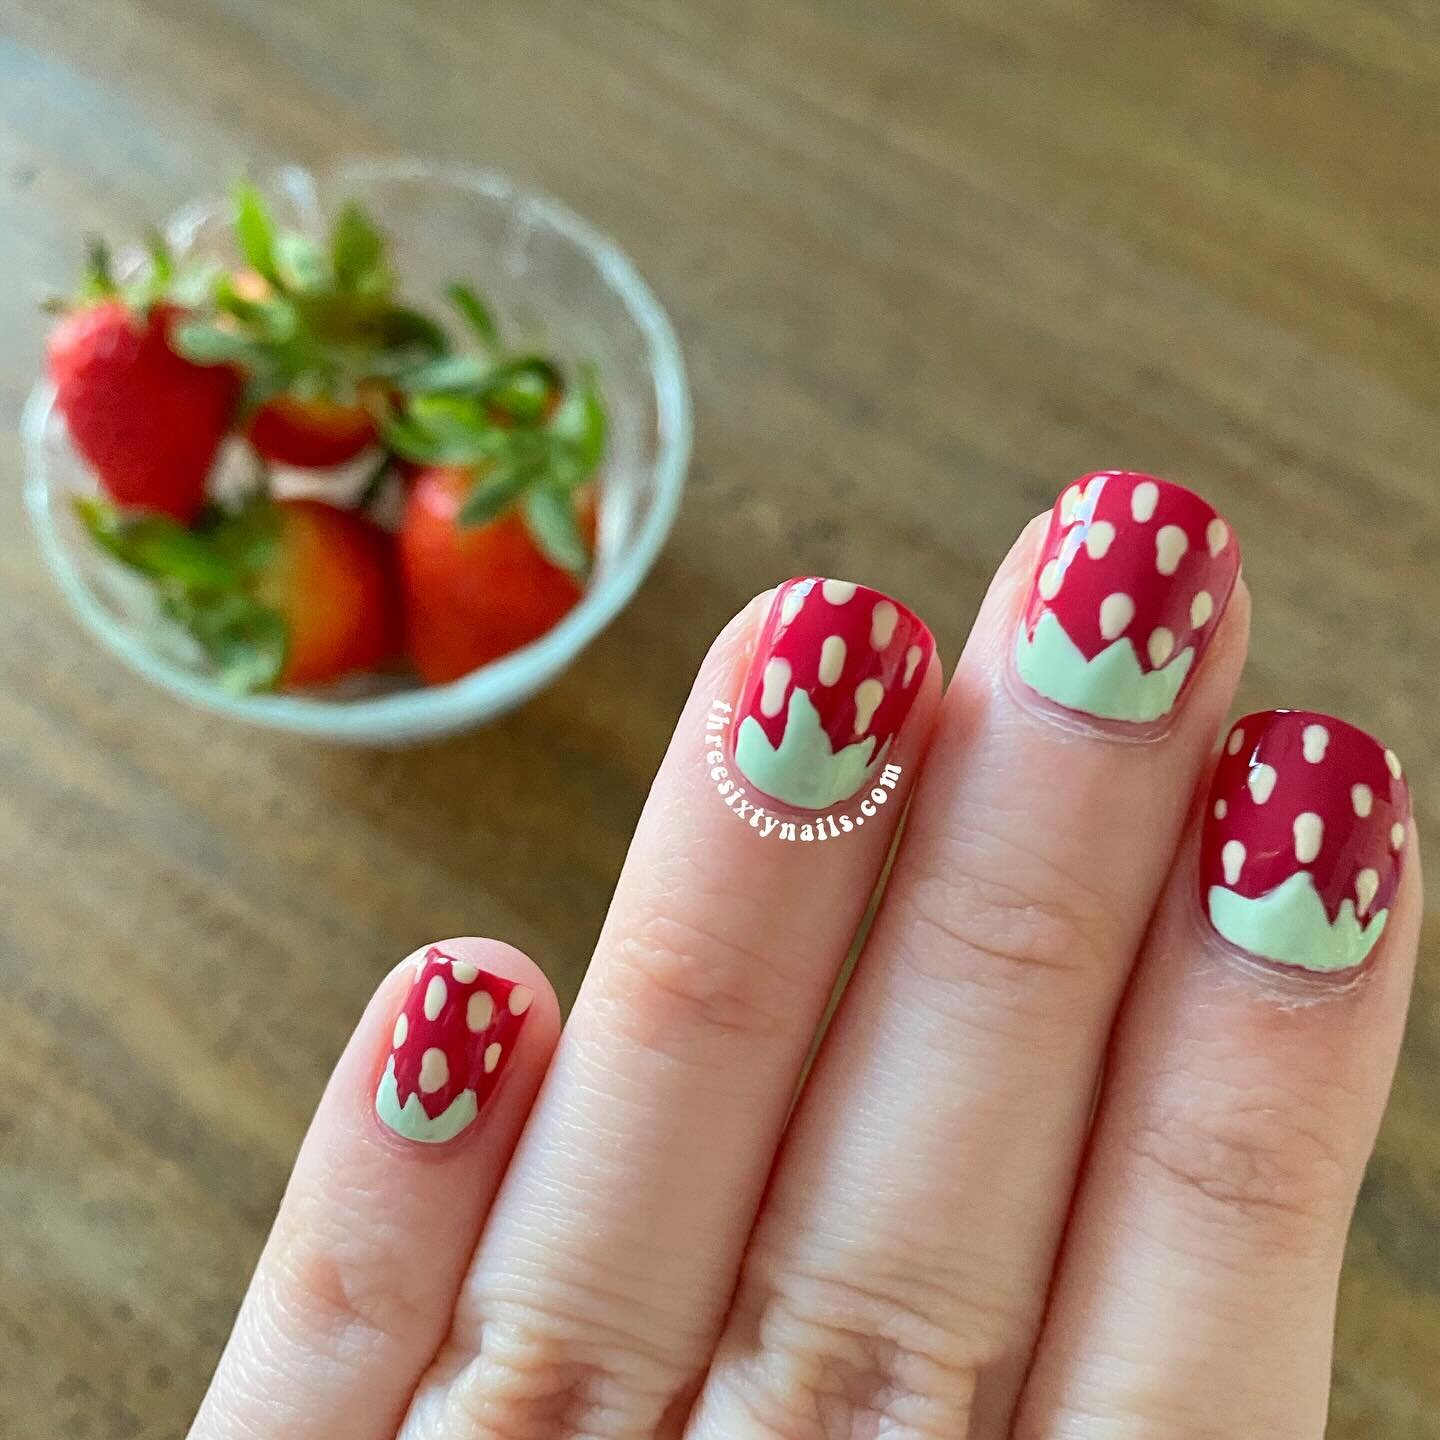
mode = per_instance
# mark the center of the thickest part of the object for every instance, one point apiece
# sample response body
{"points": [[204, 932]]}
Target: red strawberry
{"points": [[475, 592], [312, 434], [332, 581], [147, 420], [280, 594]]}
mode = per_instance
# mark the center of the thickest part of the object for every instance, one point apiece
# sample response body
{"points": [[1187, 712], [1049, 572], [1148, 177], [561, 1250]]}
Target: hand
{"points": [[1077, 1155]]}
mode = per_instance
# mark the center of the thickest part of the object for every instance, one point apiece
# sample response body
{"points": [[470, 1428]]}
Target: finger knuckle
{"points": [[1256, 1154], [1017, 920], [688, 986], [841, 1355], [528, 1373], [349, 1297]]}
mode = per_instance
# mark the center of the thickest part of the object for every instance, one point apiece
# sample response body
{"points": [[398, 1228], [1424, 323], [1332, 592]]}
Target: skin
{"points": [[948, 1235]]}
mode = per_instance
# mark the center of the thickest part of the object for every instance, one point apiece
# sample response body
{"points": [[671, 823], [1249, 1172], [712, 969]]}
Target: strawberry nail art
{"points": [[1304, 839], [451, 1042], [836, 671], [1133, 578]]}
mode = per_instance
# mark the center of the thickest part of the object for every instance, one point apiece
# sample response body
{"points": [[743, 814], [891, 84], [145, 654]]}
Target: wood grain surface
{"points": [[929, 260]]}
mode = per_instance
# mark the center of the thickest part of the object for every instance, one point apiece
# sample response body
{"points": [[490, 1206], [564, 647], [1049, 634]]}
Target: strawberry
{"points": [[278, 594], [315, 327], [310, 434], [473, 592], [332, 581], [499, 523], [148, 421]]}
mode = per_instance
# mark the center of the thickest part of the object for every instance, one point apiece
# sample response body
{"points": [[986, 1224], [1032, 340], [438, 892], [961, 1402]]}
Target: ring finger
{"points": [[602, 1278]]}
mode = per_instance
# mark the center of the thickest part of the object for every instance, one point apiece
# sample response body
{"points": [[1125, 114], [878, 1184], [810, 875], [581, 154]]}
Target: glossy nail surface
{"points": [[1304, 839], [836, 669], [1132, 580], [451, 1042]]}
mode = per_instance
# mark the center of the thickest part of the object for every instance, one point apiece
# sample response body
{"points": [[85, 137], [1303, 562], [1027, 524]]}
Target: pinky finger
{"points": [[1196, 1291], [354, 1289]]}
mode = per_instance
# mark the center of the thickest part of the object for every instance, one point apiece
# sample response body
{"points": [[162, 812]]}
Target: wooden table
{"points": [[929, 260]]}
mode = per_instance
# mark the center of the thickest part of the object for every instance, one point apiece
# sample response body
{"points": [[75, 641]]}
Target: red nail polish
{"points": [[836, 670], [1132, 580], [1304, 839], [452, 1039]]}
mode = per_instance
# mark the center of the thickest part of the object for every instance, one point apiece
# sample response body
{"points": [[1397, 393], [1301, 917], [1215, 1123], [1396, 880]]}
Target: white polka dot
{"points": [[1050, 578], [1397, 835], [480, 1012], [1314, 740], [1216, 534], [520, 998], [837, 592], [773, 685], [832, 659], [1362, 797], [402, 1029], [1202, 607], [1393, 761], [1143, 500], [912, 661], [1261, 781], [1171, 543], [1309, 832], [434, 1070], [1367, 882], [492, 1057], [1161, 645], [1237, 739], [1068, 501], [1098, 539], [1221, 809], [463, 972], [793, 603], [435, 993], [868, 695], [1116, 612], [883, 619], [1232, 859]]}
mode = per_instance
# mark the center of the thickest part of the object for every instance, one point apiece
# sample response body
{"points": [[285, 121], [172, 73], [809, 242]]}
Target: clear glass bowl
{"points": [[555, 283]]}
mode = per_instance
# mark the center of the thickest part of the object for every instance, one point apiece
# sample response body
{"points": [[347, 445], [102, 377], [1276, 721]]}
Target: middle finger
{"points": [[898, 1269]]}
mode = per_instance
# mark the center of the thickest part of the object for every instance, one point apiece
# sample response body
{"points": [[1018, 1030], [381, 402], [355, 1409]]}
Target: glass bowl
{"points": [[557, 284]]}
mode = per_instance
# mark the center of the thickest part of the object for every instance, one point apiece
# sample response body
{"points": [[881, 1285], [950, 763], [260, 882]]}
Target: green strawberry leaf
{"points": [[401, 328], [581, 422], [160, 549], [275, 319], [246, 641], [203, 578], [162, 262], [413, 441], [443, 375], [496, 491], [357, 253], [255, 231], [475, 312], [215, 345], [549, 513], [301, 265], [524, 389]]}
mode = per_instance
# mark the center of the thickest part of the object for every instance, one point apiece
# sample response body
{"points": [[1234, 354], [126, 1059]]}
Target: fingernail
{"points": [[451, 1043], [1133, 578], [1304, 839], [836, 670]]}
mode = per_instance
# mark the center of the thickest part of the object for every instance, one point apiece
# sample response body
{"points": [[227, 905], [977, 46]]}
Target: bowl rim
{"points": [[495, 686]]}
